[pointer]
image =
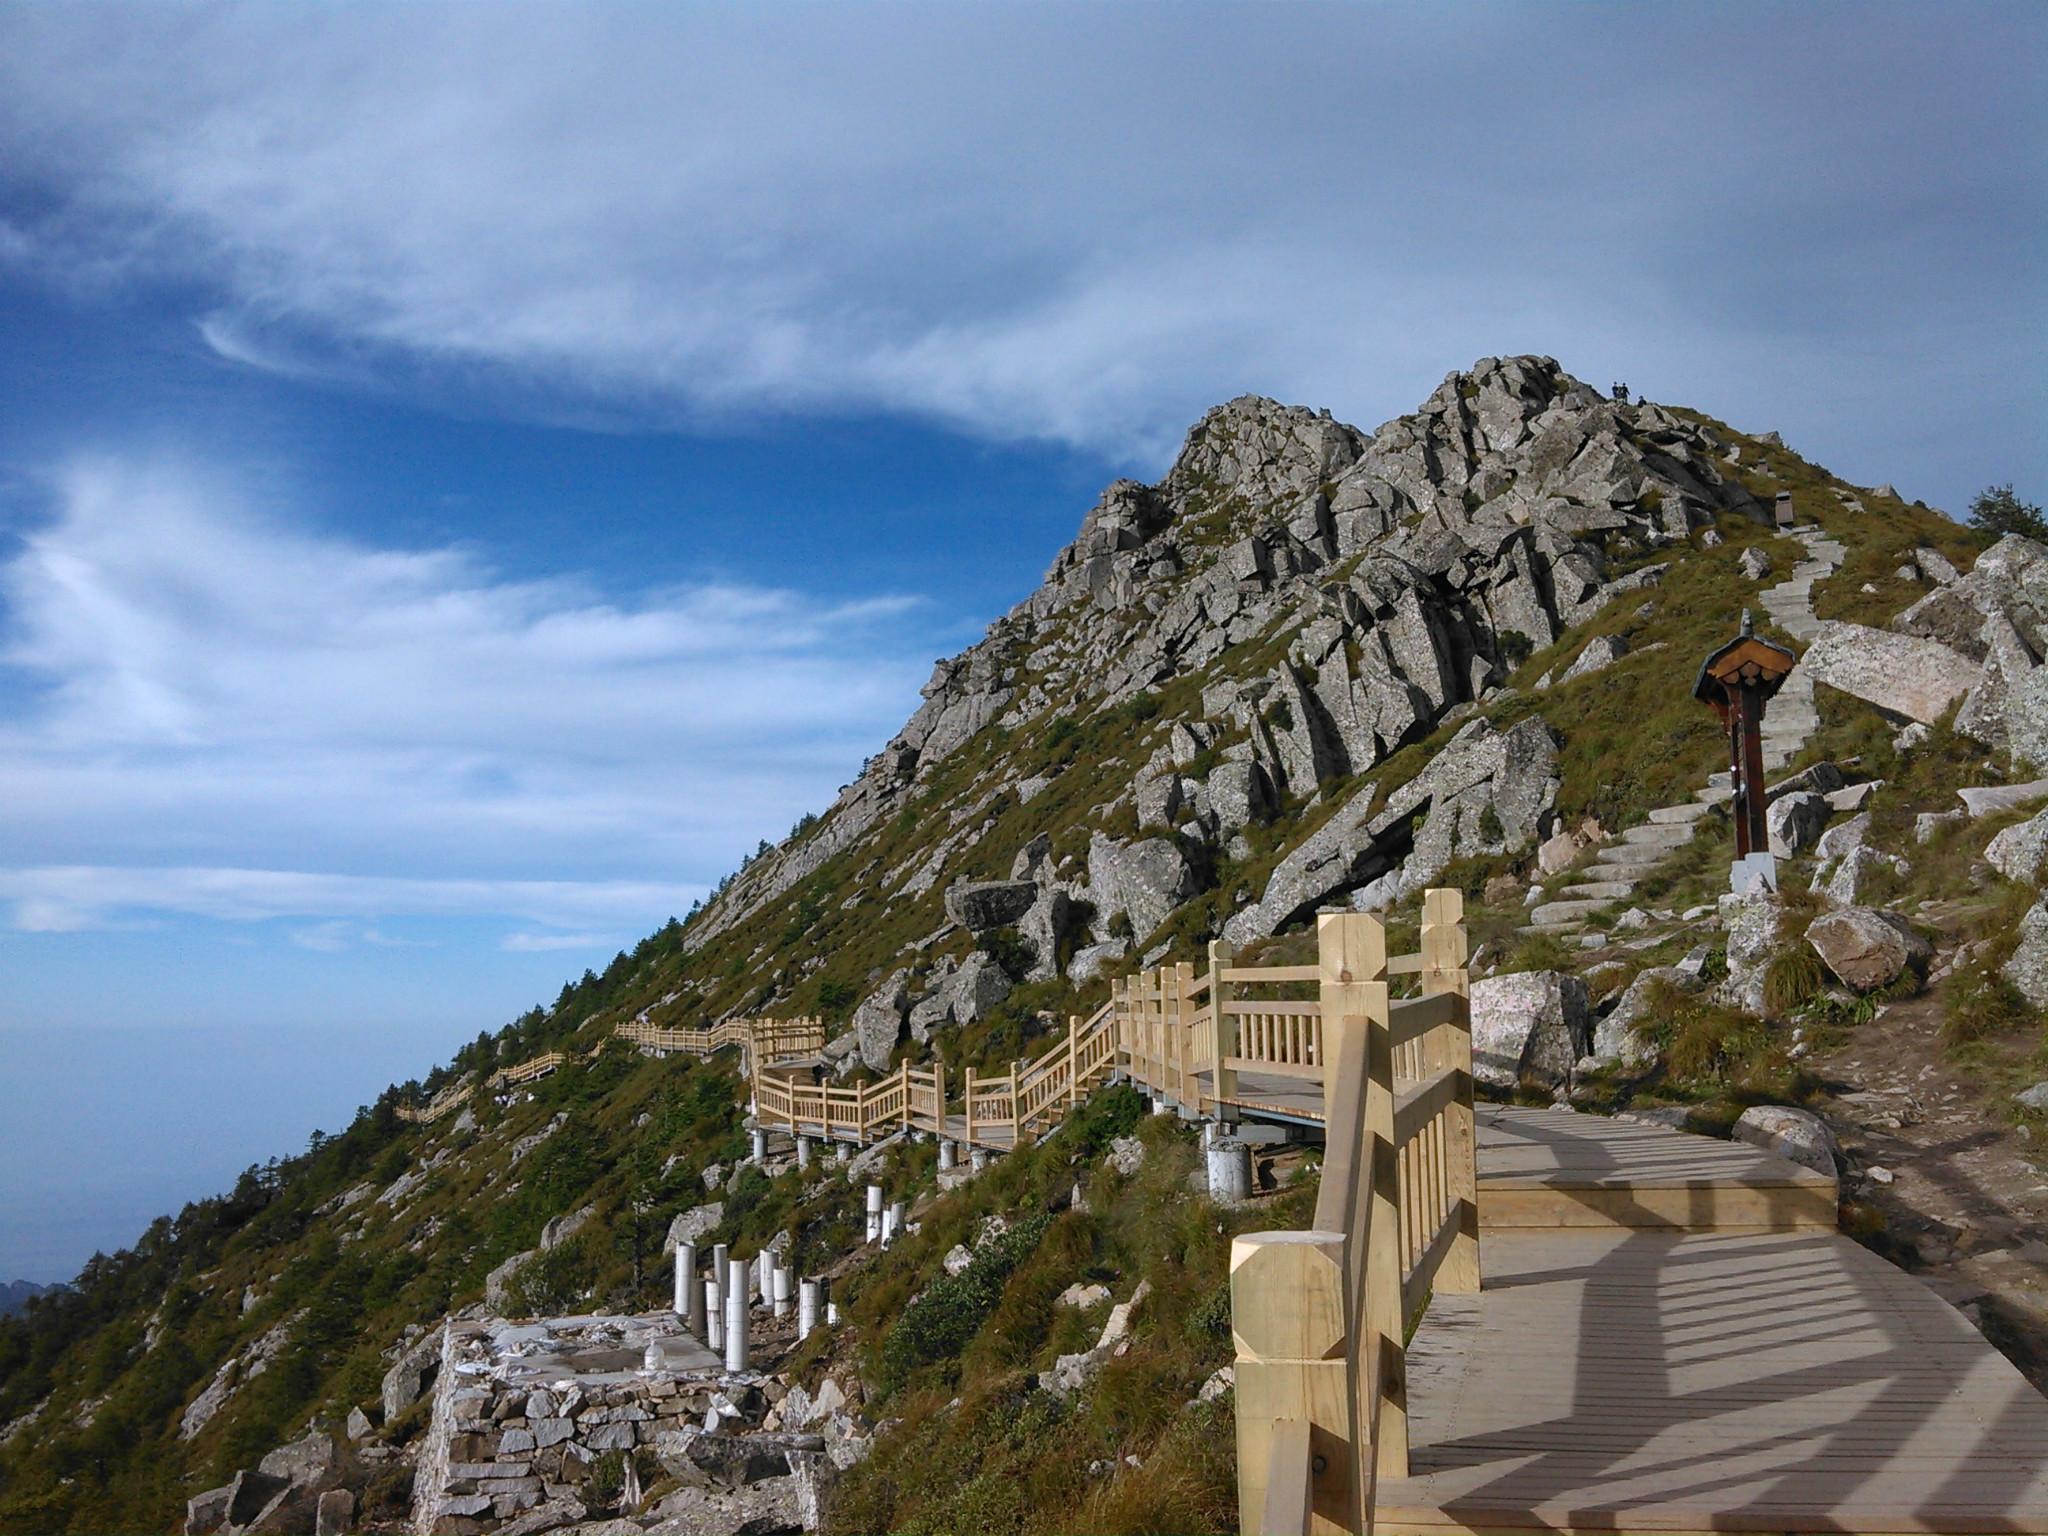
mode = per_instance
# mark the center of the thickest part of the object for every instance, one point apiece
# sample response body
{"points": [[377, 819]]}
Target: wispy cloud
{"points": [[1085, 223], [546, 943], [206, 688]]}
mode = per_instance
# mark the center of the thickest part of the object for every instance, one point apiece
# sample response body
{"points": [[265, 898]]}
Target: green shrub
{"points": [[944, 1320], [1010, 950], [1794, 978]]}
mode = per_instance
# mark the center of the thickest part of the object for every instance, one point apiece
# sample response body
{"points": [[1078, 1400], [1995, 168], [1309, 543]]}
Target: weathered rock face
{"points": [[1439, 815], [2020, 852], [1794, 1134], [989, 903], [1143, 881], [1905, 674], [1601, 652], [1793, 823], [1478, 521], [878, 1021], [1867, 948], [411, 1374], [1533, 1024], [1853, 878], [1617, 1038], [1752, 926], [2028, 967], [693, 1225]]}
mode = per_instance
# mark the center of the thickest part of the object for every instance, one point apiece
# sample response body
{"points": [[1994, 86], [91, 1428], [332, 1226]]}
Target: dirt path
{"points": [[1967, 1205]]}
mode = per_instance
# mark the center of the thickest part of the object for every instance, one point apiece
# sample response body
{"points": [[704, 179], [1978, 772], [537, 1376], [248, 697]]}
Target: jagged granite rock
{"points": [[975, 989], [1089, 960], [1240, 794], [1751, 923], [1794, 1134], [1439, 815], [1617, 1040], [1484, 515], [1850, 881], [1754, 563], [2008, 582], [878, 1021], [983, 904], [2026, 721], [412, 1373], [1529, 1024], [1601, 652], [1902, 674], [1034, 859], [562, 1228], [1143, 881], [1046, 928], [1793, 823], [2020, 852], [2028, 967], [1840, 839], [498, 1295], [693, 1225], [1867, 948]]}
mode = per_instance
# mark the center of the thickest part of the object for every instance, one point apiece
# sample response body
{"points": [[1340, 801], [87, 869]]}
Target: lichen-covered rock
{"points": [[1794, 1134], [1239, 794], [2020, 852], [693, 1225], [412, 1372], [1529, 1024], [1127, 1155], [878, 1021], [2028, 967], [1143, 881], [975, 989], [1794, 822], [1852, 879], [1867, 948], [1601, 652], [982, 904], [1904, 674], [1617, 1039]]}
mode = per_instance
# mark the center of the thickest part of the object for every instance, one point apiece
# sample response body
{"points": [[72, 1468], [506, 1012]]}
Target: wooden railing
{"points": [[763, 1039], [1321, 1316], [909, 1096], [458, 1094]]}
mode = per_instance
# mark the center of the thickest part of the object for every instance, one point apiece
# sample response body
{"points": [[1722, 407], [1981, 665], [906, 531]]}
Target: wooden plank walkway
{"points": [[1618, 1380]]}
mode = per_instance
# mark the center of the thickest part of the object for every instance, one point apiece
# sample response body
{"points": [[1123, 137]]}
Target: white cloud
{"points": [[208, 689], [1079, 222], [545, 943]]}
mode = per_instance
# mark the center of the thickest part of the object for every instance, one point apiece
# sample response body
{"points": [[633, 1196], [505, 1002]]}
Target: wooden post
{"points": [[939, 1095], [970, 1107], [1190, 1092], [1443, 970], [1222, 1030], [1352, 954], [1073, 1059], [1287, 1317]]}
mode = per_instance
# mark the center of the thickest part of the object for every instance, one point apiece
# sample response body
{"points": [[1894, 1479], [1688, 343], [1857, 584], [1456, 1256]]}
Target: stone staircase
{"points": [[1619, 867]]}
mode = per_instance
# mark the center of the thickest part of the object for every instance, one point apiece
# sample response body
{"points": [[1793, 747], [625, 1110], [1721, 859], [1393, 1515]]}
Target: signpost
{"points": [[1738, 680]]}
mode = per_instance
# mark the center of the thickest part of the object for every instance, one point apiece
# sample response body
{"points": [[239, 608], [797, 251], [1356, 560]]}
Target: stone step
{"points": [[1634, 858], [1652, 835], [1561, 930], [1714, 796], [1561, 911], [1599, 890], [1666, 815]]}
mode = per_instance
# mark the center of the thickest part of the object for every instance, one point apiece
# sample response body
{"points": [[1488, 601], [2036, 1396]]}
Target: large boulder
{"points": [[1794, 822], [2026, 721], [693, 1225], [2019, 852], [2028, 967], [1794, 1134], [878, 1021], [1240, 794], [1852, 879], [1751, 923], [564, 1227], [1534, 1024], [1601, 652], [1867, 948], [411, 1374], [1903, 674], [975, 990], [980, 904], [499, 1295], [1046, 927], [1439, 815], [1144, 881], [1617, 1038]]}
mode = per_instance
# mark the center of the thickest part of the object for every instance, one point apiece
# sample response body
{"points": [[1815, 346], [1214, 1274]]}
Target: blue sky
{"points": [[467, 473]]}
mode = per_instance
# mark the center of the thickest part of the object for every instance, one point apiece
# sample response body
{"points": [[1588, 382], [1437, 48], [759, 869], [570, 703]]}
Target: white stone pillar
{"points": [[946, 1155], [807, 1308], [899, 1218], [839, 1152], [874, 1212], [760, 1146], [736, 1317], [778, 1300], [1230, 1170], [714, 1316], [803, 1152], [686, 1277], [977, 1158], [888, 1225]]}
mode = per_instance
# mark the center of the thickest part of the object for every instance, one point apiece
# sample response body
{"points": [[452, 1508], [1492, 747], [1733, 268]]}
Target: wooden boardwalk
{"points": [[1618, 1380], [1671, 1337]]}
